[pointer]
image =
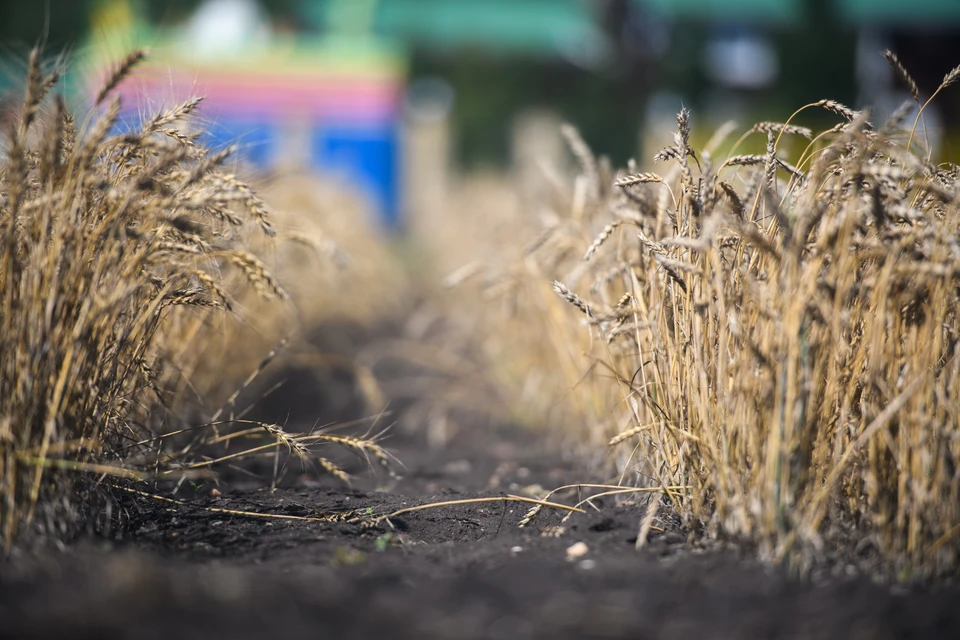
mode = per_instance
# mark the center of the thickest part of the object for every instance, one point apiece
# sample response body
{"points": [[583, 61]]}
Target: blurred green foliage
{"points": [[491, 89], [56, 23]]}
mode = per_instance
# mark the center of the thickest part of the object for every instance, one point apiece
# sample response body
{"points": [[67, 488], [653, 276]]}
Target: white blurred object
{"points": [[226, 27], [741, 59], [588, 50], [577, 550]]}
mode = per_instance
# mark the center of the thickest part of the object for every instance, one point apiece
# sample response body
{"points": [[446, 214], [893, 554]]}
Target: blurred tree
{"points": [[491, 89], [818, 58], [55, 23]]}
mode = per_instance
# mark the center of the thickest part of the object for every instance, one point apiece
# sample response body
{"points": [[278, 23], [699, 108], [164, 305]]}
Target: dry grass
{"points": [[779, 337], [121, 253], [499, 295], [352, 281]]}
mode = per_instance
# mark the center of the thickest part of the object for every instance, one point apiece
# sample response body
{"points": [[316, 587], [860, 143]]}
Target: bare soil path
{"points": [[456, 572]]}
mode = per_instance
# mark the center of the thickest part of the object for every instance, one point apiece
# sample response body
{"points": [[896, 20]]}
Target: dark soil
{"points": [[467, 571]]}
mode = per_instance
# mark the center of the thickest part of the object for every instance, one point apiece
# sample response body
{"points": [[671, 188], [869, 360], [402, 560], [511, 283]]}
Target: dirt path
{"points": [[457, 572]]}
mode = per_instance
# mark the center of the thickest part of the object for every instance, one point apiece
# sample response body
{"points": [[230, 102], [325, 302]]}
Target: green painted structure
{"points": [[537, 27], [785, 12]]}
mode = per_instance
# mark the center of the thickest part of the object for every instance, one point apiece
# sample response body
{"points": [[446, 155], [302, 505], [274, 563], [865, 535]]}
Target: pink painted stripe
{"points": [[277, 103], [275, 95]]}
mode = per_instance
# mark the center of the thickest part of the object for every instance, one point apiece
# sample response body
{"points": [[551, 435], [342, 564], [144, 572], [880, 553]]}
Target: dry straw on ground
{"points": [[781, 338], [119, 251]]}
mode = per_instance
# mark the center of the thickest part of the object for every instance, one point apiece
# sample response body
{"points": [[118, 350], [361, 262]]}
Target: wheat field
{"points": [[768, 340], [772, 343]]}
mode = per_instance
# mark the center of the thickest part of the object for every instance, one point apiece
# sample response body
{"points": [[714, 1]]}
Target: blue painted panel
{"points": [[366, 156], [256, 141]]}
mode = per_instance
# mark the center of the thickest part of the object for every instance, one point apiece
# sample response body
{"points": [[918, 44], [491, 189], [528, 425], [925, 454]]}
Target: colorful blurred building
{"points": [[331, 103]]}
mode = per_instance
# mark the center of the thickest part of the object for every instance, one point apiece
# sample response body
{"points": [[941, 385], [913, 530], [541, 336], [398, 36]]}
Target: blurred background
{"points": [[395, 98]]}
